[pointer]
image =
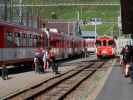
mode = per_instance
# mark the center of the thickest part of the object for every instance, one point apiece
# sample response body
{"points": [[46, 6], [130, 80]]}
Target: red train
{"points": [[18, 44], [105, 46]]}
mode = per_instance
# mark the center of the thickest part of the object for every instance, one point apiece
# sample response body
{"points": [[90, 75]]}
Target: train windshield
{"points": [[111, 43], [104, 43], [98, 43]]}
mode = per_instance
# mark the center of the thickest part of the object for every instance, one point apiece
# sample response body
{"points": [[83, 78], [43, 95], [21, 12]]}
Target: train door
{"points": [[1, 37]]}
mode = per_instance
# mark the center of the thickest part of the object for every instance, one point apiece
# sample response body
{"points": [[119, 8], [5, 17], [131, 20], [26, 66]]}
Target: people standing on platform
{"points": [[38, 60], [4, 73], [45, 60], [131, 68], [51, 60], [123, 59], [37, 64], [84, 53], [126, 59]]}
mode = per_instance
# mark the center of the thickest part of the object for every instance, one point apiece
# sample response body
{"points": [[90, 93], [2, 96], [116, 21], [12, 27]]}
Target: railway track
{"points": [[58, 87]]}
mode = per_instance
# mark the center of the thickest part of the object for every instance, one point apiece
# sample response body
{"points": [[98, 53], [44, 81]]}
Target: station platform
{"points": [[19, 82], [117, 87]]}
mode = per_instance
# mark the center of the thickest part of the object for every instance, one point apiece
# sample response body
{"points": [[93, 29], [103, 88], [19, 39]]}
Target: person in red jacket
{"points": [[51, 59]]}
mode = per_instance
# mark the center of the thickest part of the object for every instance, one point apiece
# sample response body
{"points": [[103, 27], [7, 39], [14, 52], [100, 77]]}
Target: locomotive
{"points": [[105, 47], [19, 43]]}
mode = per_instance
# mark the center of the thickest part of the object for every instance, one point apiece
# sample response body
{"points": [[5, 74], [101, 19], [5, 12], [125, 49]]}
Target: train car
{"points": [[19, 44], [90, 45], [90, 38], [64, 45], [105, 47]]}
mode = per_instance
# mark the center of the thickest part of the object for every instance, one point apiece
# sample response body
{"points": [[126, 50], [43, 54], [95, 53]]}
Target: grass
{"points": [[106, 13], [101, 29], [85, 12], [79, 1]]}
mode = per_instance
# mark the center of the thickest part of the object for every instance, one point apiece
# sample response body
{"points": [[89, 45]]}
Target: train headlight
{"points": [[96, 50], [104, 52]]}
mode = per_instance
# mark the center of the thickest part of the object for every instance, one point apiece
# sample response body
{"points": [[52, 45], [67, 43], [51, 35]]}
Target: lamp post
{"points": [[95, 26]]}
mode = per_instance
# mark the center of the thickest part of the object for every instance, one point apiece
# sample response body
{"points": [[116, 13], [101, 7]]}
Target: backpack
{"points": [[39, 57]]}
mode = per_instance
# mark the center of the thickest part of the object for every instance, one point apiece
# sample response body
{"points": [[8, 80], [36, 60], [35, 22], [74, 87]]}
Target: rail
{"points": [[63, 84]]}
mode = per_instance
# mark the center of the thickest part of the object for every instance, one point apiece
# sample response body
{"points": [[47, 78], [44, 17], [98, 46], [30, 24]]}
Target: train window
{"points": [[24, 39], [35, 41], [30, 40], [98, 43], [104, 43], [27, 40], [8, 39], [38, 41], [111, 43], [17, 39], [21, 39]]}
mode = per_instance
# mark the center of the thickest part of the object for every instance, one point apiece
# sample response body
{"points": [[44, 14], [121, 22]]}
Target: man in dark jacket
{"points": [[4, 73]]}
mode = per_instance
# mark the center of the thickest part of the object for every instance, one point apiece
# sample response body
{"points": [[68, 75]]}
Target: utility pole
{"points": [[20, 12], [5, 10], [78, 15], [119, 23], [95, 27], [77, 24], [11, 10]]}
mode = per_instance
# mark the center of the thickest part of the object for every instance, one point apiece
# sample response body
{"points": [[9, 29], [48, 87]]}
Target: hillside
{"points": [[69, 1], [107, 13]]}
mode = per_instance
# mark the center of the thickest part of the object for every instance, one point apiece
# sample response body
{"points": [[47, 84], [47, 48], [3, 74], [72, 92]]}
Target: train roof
{"points": [[9, 24], [62, 25]]}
